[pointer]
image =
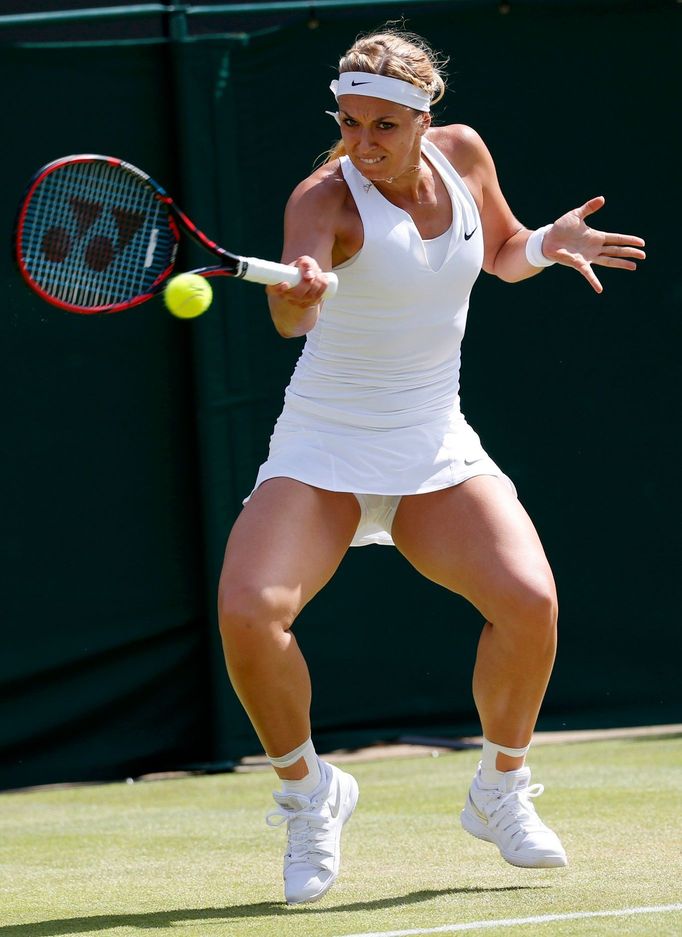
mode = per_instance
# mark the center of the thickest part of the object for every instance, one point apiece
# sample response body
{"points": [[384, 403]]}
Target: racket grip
{"points": [[269, 273]]}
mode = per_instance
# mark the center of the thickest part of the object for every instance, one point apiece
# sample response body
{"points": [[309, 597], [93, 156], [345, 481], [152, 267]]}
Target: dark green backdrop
{"points": [[130, 440]]}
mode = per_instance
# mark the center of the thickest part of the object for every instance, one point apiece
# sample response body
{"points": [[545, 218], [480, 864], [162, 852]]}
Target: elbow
{"points": [[286, 330], [502, 272], [508, 263], [295, 325], [292, 328], [508, 276], [286, 323], [509, 272]]}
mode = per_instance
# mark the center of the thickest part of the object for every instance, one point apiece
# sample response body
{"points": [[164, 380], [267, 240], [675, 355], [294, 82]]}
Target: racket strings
{"points": [[95, 235]]}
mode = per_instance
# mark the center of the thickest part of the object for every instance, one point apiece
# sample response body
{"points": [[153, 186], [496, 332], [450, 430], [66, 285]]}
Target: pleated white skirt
{"points": [[375, 462]]}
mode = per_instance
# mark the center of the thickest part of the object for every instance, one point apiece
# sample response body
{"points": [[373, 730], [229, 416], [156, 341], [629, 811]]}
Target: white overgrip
{"points": [[269, 273]]}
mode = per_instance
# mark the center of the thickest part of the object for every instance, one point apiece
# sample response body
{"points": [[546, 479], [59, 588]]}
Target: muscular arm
{"points": [[310, 228], [569, 241], [504, 236]]}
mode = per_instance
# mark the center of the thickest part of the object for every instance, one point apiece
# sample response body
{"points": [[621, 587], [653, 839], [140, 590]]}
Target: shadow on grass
{"points": [[160, 919]]}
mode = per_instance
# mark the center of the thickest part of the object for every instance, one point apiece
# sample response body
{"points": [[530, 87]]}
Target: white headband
{"points": [[380, 86]]}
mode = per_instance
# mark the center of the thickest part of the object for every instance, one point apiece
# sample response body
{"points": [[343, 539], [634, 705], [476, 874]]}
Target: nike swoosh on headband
{"points": [[381, 86]]}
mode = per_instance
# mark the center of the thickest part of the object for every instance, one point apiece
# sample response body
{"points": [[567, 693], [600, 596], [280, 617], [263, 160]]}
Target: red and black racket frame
{"points": [[232, 266]]}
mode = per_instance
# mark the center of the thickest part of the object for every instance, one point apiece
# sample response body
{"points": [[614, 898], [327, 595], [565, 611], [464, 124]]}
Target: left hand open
{"points": [[571, 242]]}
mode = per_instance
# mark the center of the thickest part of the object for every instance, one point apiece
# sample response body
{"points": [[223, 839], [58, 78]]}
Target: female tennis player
{"points": [[372, 447]]}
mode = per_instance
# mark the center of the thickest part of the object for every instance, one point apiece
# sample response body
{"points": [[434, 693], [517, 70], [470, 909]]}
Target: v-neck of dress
{"points": [[448, 188]]}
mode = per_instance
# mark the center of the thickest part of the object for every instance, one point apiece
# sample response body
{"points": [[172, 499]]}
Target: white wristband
{"points": [[534, 254]]}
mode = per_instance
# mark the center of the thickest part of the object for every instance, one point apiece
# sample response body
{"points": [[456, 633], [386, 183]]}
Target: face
{"points": [[382, 139]]}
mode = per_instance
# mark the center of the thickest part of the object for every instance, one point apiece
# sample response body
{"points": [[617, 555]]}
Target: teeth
{"points": [[371, 161]]}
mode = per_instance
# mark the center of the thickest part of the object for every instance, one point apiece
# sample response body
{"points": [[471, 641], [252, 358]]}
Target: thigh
{"points": [[288, 541], [475, 539]]}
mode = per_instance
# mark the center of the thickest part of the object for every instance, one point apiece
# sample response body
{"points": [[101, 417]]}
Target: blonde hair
{"points": [[394, 53]]}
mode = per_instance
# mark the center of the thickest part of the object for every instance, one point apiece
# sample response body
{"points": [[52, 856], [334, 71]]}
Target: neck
{"points": [[410, 180], [408, 172], [414, 183]]}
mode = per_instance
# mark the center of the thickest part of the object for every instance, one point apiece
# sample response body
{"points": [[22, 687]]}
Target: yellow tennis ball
{"points": [[188, 295]]}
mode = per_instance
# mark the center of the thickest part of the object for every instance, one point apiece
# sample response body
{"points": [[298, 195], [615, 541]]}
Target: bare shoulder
{"points": [[321, 218], [462, 145], [323, 191], [469, 155]]}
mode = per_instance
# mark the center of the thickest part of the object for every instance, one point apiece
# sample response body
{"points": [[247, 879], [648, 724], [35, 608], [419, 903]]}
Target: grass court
{"points": [[192, 857]]}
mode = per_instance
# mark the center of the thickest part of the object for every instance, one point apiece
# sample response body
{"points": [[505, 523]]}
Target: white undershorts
{"points": [[376, 519], [377, 513]]}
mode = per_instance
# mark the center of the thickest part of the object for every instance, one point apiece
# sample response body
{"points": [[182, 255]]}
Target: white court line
{"points": [[512, 922]]}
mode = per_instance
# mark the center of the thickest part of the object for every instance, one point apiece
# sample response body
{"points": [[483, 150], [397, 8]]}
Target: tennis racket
{"points": [[95, 234]]}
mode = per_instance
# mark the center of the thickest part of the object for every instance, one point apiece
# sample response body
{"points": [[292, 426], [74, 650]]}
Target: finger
{"points": [[578, 262], [630, 239], [591, 277], [302, 296], [609, 250], [302, 300], [615, 262], [305, 303], [310, 291], [591, 206], [278, 289], [313, 284], [615, 250]]}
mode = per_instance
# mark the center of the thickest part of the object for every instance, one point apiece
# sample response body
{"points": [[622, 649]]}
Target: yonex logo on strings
{"points": [[100, 250]]}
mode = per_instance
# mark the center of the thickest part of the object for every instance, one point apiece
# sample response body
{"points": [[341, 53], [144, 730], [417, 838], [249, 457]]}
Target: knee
{"points": [[532, 606], [543, 607], [250, 617]]}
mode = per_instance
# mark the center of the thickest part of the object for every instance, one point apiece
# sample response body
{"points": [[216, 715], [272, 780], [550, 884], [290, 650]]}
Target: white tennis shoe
{"points": [[506, 816], [314, 824]]}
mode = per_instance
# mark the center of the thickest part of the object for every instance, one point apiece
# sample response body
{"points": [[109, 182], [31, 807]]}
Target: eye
{"points": [[349, 122], [386, 125]]}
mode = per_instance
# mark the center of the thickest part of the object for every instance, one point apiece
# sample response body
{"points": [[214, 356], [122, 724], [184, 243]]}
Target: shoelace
{"points": [[520, 809], [304, 829]]}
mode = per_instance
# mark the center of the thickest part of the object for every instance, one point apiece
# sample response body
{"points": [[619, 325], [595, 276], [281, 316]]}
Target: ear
{"points": [[424, 123]]}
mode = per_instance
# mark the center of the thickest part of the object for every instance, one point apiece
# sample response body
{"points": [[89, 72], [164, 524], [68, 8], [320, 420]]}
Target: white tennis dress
{"points": [[373, 405]]}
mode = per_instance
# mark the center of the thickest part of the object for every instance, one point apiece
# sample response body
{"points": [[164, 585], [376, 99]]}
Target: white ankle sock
{"points": [[489, 773], [312, 779]]}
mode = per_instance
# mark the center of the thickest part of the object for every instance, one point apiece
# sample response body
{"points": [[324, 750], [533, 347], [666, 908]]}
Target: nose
{"points": [[365, 139]]}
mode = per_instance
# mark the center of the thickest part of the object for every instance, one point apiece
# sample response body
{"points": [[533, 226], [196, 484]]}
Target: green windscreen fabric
{"points": [[103, 604]]}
